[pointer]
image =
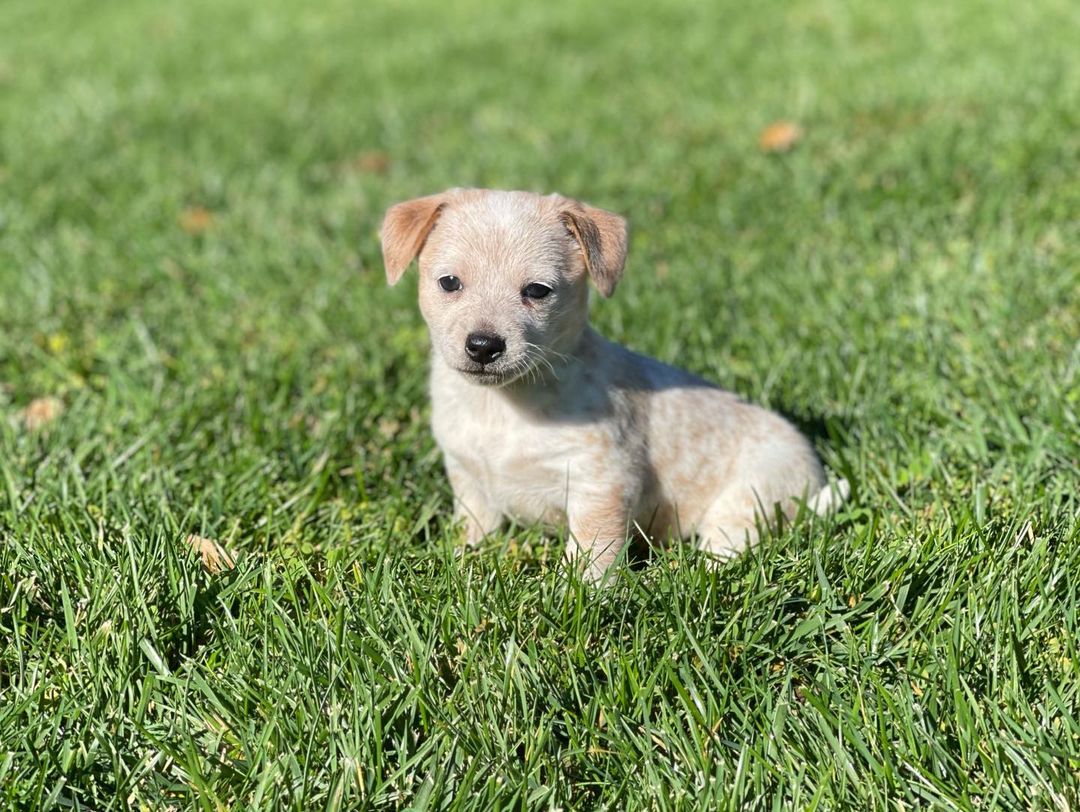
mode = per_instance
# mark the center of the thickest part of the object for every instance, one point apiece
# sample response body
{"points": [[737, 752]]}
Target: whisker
{"points": [[541, 356]]}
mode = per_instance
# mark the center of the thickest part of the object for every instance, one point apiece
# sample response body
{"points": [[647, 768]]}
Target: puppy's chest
{"points": [[525, 467]]}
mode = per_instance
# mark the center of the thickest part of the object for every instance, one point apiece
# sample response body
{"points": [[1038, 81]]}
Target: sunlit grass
{"points": [[189, 197]]}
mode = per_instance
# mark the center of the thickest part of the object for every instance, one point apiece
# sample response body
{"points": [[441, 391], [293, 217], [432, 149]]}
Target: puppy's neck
{"points": [[559, 373]]}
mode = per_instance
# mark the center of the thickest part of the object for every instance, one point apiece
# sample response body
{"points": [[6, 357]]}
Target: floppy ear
{"points": [[404, 230], [602, 237]]}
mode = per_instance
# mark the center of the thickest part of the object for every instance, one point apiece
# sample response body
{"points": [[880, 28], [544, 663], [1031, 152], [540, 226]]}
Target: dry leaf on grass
{"points": [[371, 162], [40, 412], [214, 556], [196, 220], [780, 136]]}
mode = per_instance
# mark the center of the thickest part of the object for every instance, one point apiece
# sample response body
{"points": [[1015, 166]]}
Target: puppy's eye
{"points": [[535, 291], [449, 283]]}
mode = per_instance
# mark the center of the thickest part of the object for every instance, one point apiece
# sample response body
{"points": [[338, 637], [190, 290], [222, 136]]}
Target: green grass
{"points": [[905, 283]]}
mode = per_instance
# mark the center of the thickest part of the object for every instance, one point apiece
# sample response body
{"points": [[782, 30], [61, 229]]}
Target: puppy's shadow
{"points": [[821, 431]]}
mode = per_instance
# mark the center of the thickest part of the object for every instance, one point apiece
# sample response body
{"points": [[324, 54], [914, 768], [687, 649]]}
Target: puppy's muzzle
{"points": [[484, 347]]}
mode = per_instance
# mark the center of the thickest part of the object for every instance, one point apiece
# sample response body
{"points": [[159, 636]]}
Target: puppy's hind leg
{"points": [[732, 524], [725, 536]]}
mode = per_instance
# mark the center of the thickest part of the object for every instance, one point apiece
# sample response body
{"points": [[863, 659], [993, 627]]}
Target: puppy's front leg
{"points": [[471, 504], [598, 530]]}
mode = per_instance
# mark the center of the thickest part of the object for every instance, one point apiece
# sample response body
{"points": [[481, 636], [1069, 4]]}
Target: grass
{"points": [[189, 197]]}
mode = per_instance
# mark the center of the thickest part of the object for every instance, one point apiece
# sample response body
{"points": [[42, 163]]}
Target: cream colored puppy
{"points": [[543, 420]]}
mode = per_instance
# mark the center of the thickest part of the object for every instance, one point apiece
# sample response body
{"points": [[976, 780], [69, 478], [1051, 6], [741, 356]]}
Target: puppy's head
{"points": [[503, 275]]}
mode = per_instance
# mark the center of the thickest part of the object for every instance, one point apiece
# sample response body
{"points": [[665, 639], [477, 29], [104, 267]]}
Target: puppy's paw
{"points": [[593, 569], [830, 497], [470, 535]]}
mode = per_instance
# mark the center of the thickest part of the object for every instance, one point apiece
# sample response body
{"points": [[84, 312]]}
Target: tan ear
{"points": [[404, 229], [602, 237]]}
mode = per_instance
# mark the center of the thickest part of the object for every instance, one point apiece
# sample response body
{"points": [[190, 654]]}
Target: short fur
{"points": [[565, 426]]}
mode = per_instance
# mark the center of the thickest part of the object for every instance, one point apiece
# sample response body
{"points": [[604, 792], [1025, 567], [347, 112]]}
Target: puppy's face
{"points": [[503, 275]]}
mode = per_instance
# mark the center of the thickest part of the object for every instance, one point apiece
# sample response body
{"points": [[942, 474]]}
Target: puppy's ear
{"points": [[404, 229], [602, 237]]}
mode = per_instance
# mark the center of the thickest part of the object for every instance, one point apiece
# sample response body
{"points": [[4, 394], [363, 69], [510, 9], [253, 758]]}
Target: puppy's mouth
{"points": [[490, 375]]}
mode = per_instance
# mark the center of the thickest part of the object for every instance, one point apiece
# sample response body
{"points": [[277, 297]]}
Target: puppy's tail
{"points": [[829, 498]]}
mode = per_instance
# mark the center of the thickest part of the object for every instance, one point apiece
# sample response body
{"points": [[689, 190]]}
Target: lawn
{"points": [[196, 338]]}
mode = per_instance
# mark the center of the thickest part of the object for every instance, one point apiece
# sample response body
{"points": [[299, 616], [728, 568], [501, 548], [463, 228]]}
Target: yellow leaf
{"points": [[780, 136], [372, 162], [214, 556], [40, 412], [196, 219]]}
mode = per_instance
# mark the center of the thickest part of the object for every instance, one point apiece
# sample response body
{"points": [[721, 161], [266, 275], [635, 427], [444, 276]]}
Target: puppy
{"points": [[541, 419]]}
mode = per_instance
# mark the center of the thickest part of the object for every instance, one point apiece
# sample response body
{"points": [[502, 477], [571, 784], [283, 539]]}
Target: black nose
{"points": [[484, 347]]}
